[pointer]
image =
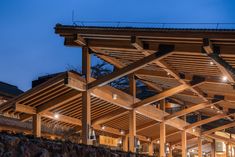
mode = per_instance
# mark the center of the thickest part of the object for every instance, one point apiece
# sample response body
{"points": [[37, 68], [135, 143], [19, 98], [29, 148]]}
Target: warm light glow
{"points": [[158, 141], [194, 130], [224, 78], [103, 127], [148, 139], [56, 115], [212, 107], [211, 63], [114, 96], [122, 132], [168, 74]]}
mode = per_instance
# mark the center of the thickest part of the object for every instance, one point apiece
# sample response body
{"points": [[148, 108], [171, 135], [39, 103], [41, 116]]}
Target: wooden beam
{"points": [[125, 101], [207, 120], [110, 116], [199, 147], [164, 50], [184, 143], [58, 101], [219, 128], [160, 96], [62, 118], [169, 70], [80, 40], [162, 139], [37, 125], [24, 109], [190, 109], [225, 68], [132, 130], [221, 138], [125, 143], [86, 98]]}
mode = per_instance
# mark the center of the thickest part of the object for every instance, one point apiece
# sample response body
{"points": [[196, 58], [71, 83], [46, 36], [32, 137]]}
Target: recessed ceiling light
{"points": [[103, 127], [56, 115], [224, 78], [114, 96]]}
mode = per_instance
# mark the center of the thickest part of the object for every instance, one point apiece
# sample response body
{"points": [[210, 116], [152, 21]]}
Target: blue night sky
{"points": [[29, 48]]}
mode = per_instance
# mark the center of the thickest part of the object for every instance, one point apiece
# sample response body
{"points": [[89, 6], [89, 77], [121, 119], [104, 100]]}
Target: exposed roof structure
{"points": [[193, 67]]}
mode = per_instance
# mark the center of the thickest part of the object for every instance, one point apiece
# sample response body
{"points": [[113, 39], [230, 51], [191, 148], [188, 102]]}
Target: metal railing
{"points": [[155, 24]]}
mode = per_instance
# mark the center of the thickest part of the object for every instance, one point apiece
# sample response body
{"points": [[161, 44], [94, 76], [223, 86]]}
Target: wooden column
{"points": [[227, 150], [151, 148], [86, 98], [162, 139], [213, 149], [37, 125], [170, 152], [184, 143], [132, 115], [132, 130], [199, 147], [163, 104], [125, 143]]}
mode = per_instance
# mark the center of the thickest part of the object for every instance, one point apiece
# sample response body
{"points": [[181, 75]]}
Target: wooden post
{"points": [[162, 139], [132, 115], [170, 152], [213, 149], [86, 98], [163, 104], [132, 130], [184, 143], [227, 150], [150, 148], [199, 147], [125, 143], [37, 125]]}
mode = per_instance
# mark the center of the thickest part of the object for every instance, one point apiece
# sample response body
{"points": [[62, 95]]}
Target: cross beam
{"points": [[164, 50], [190, 109], [207, 120], [230, 125], [212, 52]]}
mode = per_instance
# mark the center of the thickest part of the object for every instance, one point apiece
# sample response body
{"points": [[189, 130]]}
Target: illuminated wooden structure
{"points": [[192, 67]]}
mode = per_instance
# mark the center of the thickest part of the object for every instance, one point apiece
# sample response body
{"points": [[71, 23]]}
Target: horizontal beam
{"points": [[24, 109], [189, 110], [161, 96], [110, 116], [225, 68], [230, 125], [207, 120], [164, 50]]}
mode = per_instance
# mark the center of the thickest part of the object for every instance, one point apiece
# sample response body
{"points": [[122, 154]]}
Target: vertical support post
{"points": [[170, 152], [199, 147], [132, 115], [162, 139], [213, 149], [227, 150], [163, 104], [125, 144], [150, 148], [37, 125], [86, 98], [184, 143], [132, 130]]}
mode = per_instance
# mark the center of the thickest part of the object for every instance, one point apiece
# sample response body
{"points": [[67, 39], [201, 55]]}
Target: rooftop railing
{"points": [[155, 25]]}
